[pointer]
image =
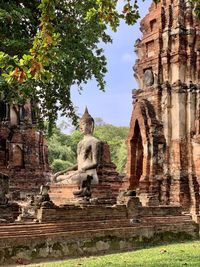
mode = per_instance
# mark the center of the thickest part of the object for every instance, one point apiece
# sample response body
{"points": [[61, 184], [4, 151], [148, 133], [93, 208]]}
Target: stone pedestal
{"points": [[101, 194], [149, 199]]}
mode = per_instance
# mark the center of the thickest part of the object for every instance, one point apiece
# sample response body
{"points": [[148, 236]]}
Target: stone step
{"points": [[121, 222], [13, 227], [24, 228], [51, 233], [163, 219], [31, 229], [189, 228]]}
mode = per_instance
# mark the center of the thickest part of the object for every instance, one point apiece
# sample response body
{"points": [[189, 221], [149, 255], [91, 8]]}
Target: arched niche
{"points": [[17, 155], [14, 115], [137, 155], [143, 140]]}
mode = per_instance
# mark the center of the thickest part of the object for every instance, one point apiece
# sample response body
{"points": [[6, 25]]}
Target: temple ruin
{"points": [[23, 149], [156, 200], [164, 137]]}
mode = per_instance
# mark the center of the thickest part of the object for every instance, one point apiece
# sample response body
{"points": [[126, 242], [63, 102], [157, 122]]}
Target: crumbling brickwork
{"points": [[23, 150], [164, 137]]}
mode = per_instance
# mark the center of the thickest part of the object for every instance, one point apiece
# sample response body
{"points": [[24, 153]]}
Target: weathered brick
{"points": [[163, 142]]}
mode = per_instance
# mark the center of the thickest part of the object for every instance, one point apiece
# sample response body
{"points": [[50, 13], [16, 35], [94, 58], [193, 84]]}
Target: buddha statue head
{"points": [[86, 123]]}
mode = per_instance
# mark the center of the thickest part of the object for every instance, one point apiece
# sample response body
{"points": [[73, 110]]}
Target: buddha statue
{"points": [[85, 172]]}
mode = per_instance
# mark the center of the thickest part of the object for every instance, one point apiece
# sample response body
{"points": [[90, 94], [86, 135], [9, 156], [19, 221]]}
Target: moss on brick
{"points": [[57, 246], [167, 236]]}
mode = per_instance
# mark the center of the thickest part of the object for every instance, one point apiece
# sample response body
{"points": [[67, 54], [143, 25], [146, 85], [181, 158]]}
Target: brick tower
{"points": [[23, 151], [164, 138]]}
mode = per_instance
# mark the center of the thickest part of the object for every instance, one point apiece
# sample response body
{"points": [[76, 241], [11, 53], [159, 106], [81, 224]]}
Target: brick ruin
{"points": [[164, 137], [163, 164], [75, 231], [23, 150]]}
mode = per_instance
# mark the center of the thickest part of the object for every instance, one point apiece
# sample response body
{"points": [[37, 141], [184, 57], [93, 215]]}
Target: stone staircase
{"points": [[184, 222], [40, 229], [27, 242], [169, 219]]}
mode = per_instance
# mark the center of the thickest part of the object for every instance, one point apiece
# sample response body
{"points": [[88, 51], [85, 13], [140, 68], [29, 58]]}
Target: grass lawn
{"points": [[173, 255]]}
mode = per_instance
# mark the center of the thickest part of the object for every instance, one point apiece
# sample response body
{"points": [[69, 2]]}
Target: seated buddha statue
{"points": [[85, 172]]}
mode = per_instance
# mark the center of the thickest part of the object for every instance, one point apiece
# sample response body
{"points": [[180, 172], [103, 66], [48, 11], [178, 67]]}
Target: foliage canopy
{"points": [[49, 45]]}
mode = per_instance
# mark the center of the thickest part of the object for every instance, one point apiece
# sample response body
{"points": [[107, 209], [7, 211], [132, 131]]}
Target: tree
{"points": [[115, 136], [62, 147], [197, 7], [121, 157], [49, 45]]}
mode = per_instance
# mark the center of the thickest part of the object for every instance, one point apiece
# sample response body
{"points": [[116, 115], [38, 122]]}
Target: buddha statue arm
{"points": [[73, 168], [94, 162], [89, 167]]}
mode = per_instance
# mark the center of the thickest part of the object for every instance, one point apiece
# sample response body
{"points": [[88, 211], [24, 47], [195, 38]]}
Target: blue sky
{"points": [[115, 105]]}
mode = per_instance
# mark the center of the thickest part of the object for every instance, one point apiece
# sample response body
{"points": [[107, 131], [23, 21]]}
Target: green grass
{"points": [[174, 255]]}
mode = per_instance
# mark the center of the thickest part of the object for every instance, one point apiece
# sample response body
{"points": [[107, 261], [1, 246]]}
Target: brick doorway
{"points": [[137, 154]]}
